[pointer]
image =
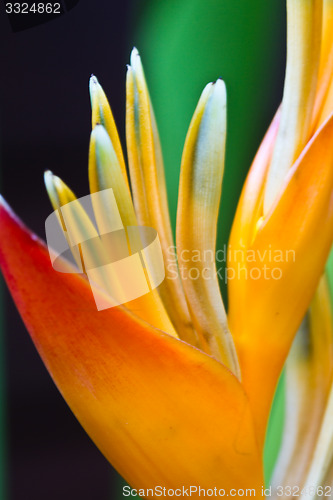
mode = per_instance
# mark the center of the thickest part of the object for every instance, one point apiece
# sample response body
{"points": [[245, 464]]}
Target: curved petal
{"points": [[149, 190], [250, 205], [304, 28], [294, 238], [161, 411], [323, 102], [101, 114], [199, 197], [249, 210]]}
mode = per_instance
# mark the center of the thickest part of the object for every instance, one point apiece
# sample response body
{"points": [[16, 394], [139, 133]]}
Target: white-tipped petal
{"points": [[198, 206]]}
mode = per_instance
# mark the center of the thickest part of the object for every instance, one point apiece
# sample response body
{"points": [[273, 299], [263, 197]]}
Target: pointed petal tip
{"points": [[48, 179], [220, 93], [207, 91], [94, 85], [99, 134], [54, 185], [6, 214], [4, 205], [48, 174], [93, 80], [135, 58], [216, 91], [7, 211], [104, 151], [219, 83], [135, 52], [220, 89]]}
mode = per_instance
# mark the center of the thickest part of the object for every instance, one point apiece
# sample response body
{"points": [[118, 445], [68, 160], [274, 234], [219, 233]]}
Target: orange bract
{"points": [[161, 411]]}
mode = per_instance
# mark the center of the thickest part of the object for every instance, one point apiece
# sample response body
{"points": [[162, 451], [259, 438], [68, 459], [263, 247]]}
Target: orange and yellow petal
{"points": [[161, 411], [295, 238], [199, 197]]}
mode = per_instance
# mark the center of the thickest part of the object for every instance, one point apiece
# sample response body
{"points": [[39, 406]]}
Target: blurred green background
{"points": [[185, 44]]}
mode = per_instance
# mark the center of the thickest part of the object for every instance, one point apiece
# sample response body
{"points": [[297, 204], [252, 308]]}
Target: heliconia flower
{"points": [[174, 391], [137, 389]]}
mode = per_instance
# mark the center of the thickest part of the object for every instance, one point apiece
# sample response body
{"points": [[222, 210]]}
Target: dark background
{"points": [[45, 124]]}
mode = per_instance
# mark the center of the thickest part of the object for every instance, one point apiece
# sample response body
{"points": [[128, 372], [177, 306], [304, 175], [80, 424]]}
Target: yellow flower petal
{"points": [[104, 173], [78, 226], [303, 53], [324, 100], [149, 191], [102, 114], [198, 206]]}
